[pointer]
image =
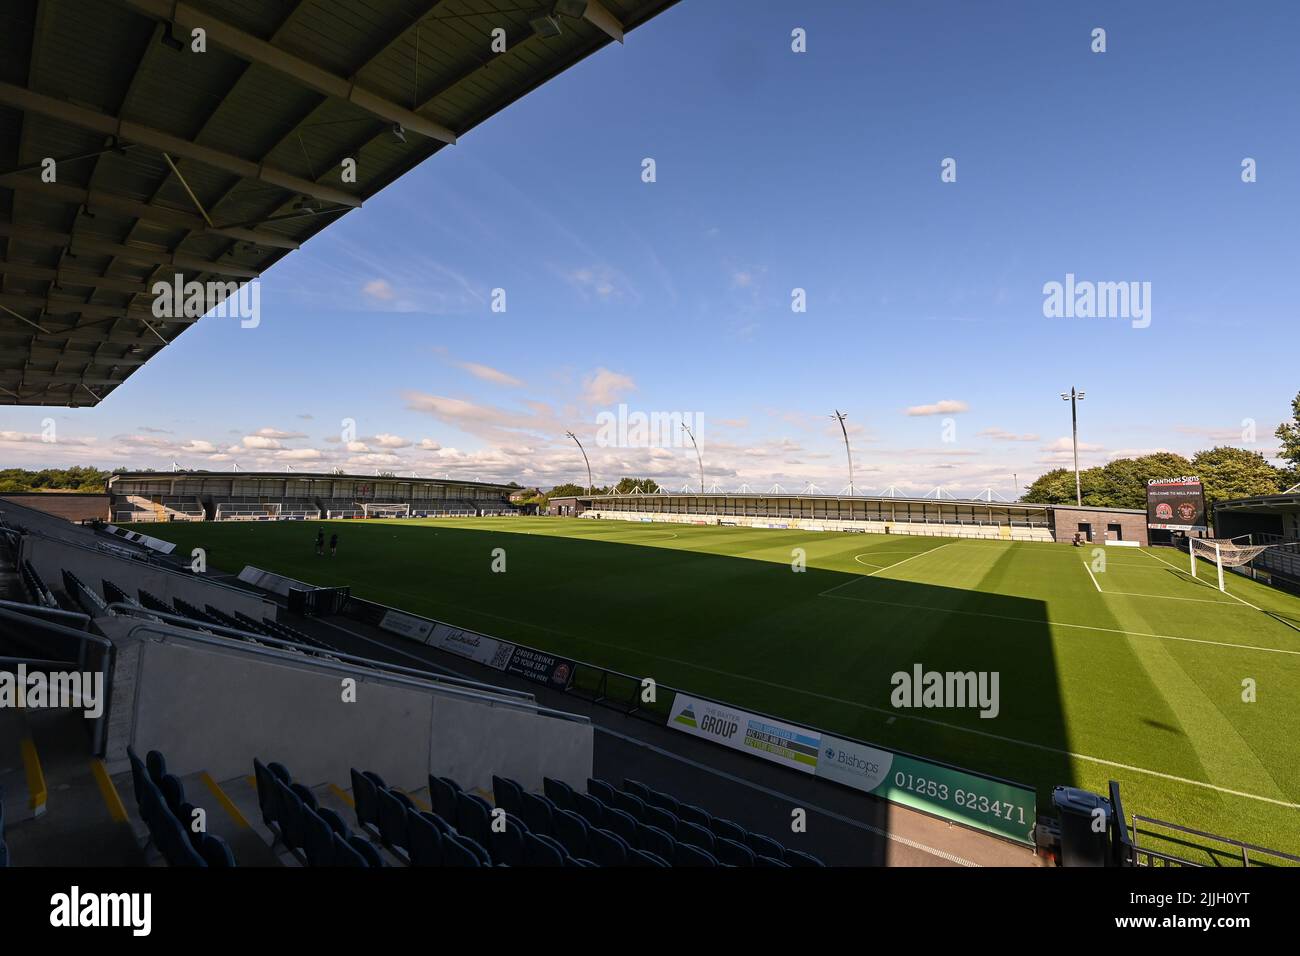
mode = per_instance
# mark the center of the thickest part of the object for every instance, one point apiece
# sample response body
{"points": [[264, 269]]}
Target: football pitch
{"points": [[1128, 670]]}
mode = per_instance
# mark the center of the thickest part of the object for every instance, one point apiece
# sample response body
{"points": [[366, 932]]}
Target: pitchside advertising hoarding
{"points": [[997, 806], [1176, 504]]}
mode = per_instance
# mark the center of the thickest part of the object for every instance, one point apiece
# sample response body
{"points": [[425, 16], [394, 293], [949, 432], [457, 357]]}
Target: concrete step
{"points": [[84, 821]]}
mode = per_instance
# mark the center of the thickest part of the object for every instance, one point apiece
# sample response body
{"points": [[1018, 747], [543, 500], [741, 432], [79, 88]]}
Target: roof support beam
{"points": [[72, 277], [254, 50], [95, 121], [160, 215], [603, 20], [85, 245]]}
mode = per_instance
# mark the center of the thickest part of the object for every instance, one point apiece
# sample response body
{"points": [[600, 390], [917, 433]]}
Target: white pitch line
{"points": [[1087, 567], [970, 730], [1168, 597], [1181, 571], [1042, 623]]}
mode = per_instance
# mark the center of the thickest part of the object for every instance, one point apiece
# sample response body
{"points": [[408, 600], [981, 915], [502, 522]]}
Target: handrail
{"points": [[99, 739], [1241, 845], [40, 610]]}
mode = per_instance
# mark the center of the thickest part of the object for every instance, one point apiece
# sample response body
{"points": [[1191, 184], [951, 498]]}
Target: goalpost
{"points": [[389, 510], [1226, 552]]}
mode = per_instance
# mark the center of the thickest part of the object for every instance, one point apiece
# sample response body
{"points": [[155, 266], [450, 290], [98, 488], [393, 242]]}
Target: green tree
{"points": [[628, 486], [1229, 472], [1289, 434]]}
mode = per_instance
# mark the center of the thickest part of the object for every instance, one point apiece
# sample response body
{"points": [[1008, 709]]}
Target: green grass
{"points": [[1133, 673]]}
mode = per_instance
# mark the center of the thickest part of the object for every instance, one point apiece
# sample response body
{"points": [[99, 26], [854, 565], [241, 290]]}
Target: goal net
{"points": [[1227, 552], [391, 510]]}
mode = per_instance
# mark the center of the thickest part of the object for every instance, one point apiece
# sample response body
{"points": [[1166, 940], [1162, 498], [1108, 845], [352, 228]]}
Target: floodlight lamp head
{"points": [[1079, 395], [399, 132]]}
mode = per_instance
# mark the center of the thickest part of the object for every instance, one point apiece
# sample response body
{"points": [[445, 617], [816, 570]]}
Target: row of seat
{"points": [[37, 592], [160, 800], [686, 820], [215, 616], [315, 835], [4, 847]]}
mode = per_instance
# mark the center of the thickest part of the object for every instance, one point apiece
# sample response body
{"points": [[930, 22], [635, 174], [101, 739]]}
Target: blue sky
{"points": [[776, 171]]}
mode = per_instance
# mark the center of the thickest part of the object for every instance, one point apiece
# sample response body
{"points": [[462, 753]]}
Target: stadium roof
{"points": [[215, 164], [299, 476], [759, 495]]}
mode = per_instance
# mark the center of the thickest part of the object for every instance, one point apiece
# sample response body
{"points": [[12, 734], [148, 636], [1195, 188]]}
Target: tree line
{"points": [[1226, 472]]}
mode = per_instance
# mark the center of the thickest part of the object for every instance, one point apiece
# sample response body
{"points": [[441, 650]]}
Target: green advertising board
{"points": [[997, 806]]}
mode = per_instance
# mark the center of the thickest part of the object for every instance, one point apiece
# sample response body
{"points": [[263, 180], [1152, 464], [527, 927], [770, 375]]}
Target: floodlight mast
{"points": [[839, 416], [1074, 398], [698, 456], [590, 487]]}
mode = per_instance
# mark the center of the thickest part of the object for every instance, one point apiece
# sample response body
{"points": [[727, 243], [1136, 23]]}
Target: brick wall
{"points": [[1133, 525], [73, 507]]}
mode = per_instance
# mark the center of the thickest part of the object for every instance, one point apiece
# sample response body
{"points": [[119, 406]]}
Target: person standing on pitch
{"points": [[334, 544], [320, 542]]}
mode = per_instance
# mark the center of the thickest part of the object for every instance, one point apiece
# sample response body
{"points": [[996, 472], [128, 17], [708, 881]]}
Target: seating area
{"points": [[315, 835], [34, 586], [4, 847], [635, 826], [171, 819], [210, 615]]}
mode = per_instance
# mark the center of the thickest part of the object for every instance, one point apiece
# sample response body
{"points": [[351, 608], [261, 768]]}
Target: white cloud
{"points": [[489, 374], [998, 434], [379, 289], [604, 387], [948, 406]]}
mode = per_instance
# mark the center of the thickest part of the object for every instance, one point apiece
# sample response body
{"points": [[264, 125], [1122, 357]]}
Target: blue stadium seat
{"points": [[305, 795], [280, 772], [267, 797], [693, 814], [732, 852], [656, 841], [761, 860], [507, 794], [317, 839], [365, 798], [799, 858], [688, 855], [290, 820], [441, 825], [173, 792], [664, 800], [157, 766], [425, 839], [335, 822], [661, 818], [138, 775], [633, 806], [606, 848], [392, 819], [456, 853], [601, 790], [728, 830], [624, 824], [539, 851], [507, 846], [764, 846], [368, 851], [695, 835], [559, 792], [538, 813], [637, 789], [174, 843], [589, 808], [473, 817], [637, 857], [442, 794], [345, 854], [216, 851], [571, 830]]}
